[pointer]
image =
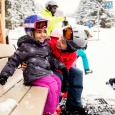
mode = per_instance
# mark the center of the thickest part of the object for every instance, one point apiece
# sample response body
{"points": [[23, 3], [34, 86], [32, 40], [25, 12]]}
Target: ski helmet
{"points": [[57, 33], [75, 37], [50, 4], [31, 21]]}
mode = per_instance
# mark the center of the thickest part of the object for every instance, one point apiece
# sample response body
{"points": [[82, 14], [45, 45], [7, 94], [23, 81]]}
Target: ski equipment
{"points": [[50, 4], [76, 38], [32, 21], [57, 33], [87, 71]]}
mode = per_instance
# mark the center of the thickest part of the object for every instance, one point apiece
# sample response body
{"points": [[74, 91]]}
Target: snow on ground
{"points": [[101, 57]]}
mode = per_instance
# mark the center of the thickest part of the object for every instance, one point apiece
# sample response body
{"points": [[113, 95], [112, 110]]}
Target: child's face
{"points": [[40, 35], [61, 44]]}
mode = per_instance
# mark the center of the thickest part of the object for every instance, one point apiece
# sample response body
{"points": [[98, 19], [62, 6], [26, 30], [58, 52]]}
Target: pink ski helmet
{"points": [[58, 32]]}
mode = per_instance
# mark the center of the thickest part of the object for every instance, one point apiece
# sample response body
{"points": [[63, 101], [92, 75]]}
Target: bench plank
{"points": [[16, 93], [11, 81], [3, 63], [33, 102]]}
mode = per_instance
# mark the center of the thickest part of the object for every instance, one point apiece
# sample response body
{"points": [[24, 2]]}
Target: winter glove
{"points": [[65, 85], [65, 82], [65, 23], [65, 72], [3, 79]]}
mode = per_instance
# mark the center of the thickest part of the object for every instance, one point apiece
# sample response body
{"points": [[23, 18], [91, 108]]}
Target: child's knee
{"points": [[53, 86], [57, 79]]}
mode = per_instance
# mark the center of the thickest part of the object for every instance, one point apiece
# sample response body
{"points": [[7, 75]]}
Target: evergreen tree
{"points": [[17, 10], [87, 13]]}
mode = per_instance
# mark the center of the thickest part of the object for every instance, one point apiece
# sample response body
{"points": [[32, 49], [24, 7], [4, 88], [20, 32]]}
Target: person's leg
{"points": [[74, 91], [82, 54], [61, 78], [59, 87], [58, 74], [50, 83], [75, 87]]}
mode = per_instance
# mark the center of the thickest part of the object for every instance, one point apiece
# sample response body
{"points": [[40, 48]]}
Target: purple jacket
{"points": [[34, 54]]}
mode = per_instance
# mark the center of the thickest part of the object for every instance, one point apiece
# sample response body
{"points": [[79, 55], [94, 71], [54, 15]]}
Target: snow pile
{"points": [[7, 105]]}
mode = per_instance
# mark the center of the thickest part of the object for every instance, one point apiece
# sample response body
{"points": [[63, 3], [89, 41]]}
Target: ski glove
{"points": [[3, 79], [65, 23], [65, 72], [65, 85], [65, 82]]}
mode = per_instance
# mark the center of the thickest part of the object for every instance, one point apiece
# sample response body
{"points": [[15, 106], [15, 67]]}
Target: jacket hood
{"points": [[29, 39]]}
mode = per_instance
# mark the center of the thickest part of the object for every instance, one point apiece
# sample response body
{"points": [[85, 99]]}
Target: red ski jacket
{"points": [[66, 57]]}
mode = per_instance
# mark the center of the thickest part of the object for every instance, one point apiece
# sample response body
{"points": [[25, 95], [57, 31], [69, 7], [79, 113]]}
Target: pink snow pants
{"points": [[53, 83]]}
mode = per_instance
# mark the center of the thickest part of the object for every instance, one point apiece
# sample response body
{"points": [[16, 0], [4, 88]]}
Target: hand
{"points": [[3, 79], [65, 23], [65, 85], [24, 66]]}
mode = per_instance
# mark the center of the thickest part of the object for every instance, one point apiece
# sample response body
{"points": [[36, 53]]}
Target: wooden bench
{"points": [[30, 99]]}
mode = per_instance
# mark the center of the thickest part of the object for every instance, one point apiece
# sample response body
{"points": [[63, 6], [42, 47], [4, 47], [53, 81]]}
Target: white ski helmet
{"points": [[51, 3], [75, 37]]}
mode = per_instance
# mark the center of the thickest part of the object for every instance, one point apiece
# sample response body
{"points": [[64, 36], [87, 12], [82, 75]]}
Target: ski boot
{"points": [[80, 110], [87, 71], [57, 112], [64, 95], [51, 114]]}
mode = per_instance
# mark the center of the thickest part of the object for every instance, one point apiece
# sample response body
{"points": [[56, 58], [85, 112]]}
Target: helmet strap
{"points": [[68, 46]]}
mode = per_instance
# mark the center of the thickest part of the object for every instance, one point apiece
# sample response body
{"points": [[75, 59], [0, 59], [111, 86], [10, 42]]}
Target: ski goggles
{"points": [[38, 25], [67, 33]]}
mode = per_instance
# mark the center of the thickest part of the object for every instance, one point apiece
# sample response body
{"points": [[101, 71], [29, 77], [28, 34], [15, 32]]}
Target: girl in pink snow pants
{"points": [[53, 83]]}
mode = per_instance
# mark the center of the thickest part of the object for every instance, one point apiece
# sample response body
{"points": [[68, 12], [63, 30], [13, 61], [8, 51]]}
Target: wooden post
{"points": [[2, 22]]}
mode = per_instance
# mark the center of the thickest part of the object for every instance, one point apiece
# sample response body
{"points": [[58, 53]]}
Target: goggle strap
{"points": [[31, 33], [28, 25]]}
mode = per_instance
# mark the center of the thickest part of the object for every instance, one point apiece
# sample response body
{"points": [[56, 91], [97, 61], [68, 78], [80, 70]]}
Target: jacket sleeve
{"points": [[53, 19], [17, 58], [54, 61], [71, 60]]}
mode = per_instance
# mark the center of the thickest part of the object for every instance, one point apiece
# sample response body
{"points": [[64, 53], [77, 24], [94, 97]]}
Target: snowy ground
{"points": [[101, 57]]}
